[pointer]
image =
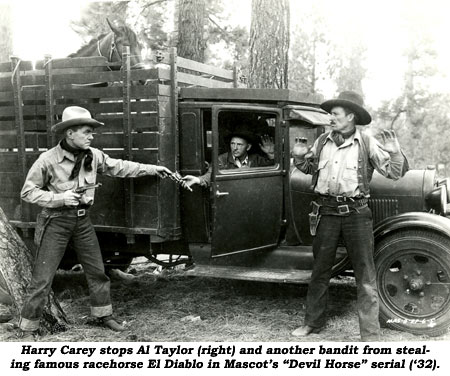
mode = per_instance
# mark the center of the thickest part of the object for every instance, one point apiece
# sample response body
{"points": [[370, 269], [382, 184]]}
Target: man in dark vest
{"points": [[51, 184], [342, 163]]}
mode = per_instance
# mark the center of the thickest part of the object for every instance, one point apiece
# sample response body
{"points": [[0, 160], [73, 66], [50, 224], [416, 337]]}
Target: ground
{"points": [[160, 307]]}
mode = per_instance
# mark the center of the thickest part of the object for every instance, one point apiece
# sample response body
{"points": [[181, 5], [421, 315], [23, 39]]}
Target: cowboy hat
{"points": [[74, 115], [246, 135], [351, 100]]}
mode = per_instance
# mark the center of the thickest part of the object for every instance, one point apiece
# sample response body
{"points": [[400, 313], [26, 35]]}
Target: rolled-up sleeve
{"points": [[122, 168], [389, 165], [33, 189]]}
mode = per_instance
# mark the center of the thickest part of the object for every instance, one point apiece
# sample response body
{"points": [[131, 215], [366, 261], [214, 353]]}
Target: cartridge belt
{"points": [[341, 205]]}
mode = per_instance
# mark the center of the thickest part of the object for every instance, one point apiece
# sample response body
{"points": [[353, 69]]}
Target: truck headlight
{"points": [[437, 199]]}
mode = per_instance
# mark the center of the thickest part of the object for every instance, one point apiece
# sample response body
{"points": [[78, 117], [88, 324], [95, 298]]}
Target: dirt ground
{"points": [[169, 306]]}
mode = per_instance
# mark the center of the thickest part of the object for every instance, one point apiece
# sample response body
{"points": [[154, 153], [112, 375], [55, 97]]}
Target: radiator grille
{"points": [[383, 208]]}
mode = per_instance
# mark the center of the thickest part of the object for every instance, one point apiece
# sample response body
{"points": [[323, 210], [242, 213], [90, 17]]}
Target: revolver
{"points": [[82, 190]]}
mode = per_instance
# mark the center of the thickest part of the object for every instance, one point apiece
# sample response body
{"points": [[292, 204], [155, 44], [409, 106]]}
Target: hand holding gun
{"points": [[176, 177], [82, 190]]}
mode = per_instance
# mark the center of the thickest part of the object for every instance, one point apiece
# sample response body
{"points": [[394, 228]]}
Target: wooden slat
{"points": [[7, 95], [26, 80], [86, 78], [29, 125], [5, 67], [144, 122], [201, 81], [204, 68], [32, 140], [6, 110], [114, 107], [137, 92], [114, 141], [150, 74], [75, 62]]}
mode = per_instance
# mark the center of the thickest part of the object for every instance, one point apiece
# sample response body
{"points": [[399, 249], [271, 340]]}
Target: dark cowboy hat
{"points": [[74, 115], [351, 100], [246, 135]]}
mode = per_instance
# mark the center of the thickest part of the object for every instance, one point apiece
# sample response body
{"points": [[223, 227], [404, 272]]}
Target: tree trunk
{"points": [[15, 272], [269, 44], [191, 29], [6, 44]]}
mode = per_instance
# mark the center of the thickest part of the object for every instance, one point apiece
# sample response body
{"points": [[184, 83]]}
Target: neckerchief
{"points": [[79, 155], [339, 137]]}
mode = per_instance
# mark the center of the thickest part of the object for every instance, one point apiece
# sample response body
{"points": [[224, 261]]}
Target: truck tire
{"points": [[413, 275]]}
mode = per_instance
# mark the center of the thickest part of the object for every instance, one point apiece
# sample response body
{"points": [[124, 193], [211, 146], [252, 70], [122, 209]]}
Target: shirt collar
{"points": [[242, 163], [61, 154]]}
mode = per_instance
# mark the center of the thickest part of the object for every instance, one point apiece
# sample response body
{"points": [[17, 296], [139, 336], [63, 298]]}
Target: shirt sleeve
{"points": [[389, 165], [305, 165], [205, 179], [122, 168], [33, 189]]}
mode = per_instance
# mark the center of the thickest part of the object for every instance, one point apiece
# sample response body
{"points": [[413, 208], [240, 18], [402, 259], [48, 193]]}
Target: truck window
{"points": [[245, 137]]}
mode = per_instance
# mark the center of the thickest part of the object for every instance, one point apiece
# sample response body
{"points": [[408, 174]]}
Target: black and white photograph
{"points": [[181, 180]]}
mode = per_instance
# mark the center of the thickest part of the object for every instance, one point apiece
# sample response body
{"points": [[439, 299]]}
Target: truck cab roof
{"points": [[275, 96]]}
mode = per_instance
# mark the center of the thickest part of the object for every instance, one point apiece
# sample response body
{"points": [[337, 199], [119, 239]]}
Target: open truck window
{"points": [[257, 130]]}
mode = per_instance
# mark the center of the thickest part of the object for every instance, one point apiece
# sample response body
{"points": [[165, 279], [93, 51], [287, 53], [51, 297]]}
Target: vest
{"points": [[365, 168]]}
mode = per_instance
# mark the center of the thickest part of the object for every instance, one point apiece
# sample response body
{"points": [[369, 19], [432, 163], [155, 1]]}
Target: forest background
{"points": [[392, 52]]}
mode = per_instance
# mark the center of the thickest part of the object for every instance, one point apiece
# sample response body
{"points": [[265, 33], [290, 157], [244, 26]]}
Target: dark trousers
{"points": [[356, 230], [58, 232]]}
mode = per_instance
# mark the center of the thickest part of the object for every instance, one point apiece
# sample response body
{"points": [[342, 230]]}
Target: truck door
{"points": [[247, 202]]}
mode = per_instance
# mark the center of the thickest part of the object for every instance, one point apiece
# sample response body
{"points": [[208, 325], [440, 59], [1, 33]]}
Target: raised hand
{"points": [[267, 146], [390, 142], [301, 149]]}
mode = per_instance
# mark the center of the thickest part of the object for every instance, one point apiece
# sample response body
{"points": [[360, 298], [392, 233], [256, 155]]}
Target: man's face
{"points": [[80, 137], [340, 122], [239, 147]]}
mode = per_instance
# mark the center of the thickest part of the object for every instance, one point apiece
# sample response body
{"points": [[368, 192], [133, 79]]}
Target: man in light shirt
{"points": [[342, 163], [51, 183]]}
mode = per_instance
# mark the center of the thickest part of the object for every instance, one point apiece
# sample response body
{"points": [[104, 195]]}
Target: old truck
{"points": [[251, 223]]}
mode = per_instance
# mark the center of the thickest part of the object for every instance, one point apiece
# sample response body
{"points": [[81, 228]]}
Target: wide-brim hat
{"points": [[351, 100], [246, 135], [74, 115]]}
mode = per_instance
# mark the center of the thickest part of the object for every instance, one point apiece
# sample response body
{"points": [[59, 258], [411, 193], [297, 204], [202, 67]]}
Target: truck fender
{"points": [[426, 221]]}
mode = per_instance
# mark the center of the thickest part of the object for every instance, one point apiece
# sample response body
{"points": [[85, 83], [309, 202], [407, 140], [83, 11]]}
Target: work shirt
{"points": [[48, 178], [240, 163], [338, 165]]}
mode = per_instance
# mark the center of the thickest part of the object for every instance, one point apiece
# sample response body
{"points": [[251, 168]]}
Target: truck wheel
{"points": [[413, 275]]}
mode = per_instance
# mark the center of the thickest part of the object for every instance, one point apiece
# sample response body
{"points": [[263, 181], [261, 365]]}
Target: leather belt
{"points": [[78, 211], [340, 204]]}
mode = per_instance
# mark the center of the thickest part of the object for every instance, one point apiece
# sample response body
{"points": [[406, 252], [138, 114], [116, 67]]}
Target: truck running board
{"points": [[251, 274]]}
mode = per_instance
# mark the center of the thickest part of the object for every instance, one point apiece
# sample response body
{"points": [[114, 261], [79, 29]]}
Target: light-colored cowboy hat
{"points": [[74, 115], [351, 100]]}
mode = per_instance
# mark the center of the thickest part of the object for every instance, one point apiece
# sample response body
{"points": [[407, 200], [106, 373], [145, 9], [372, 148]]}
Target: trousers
{"points": [[357, 232], [61, 229]]}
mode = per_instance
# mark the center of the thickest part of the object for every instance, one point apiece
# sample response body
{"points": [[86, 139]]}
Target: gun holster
{"points": [[42, 221], [314, 218]]}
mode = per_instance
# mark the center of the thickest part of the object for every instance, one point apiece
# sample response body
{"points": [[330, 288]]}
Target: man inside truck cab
{"points": [[239, 156], [51, 183], [341, 163]]}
